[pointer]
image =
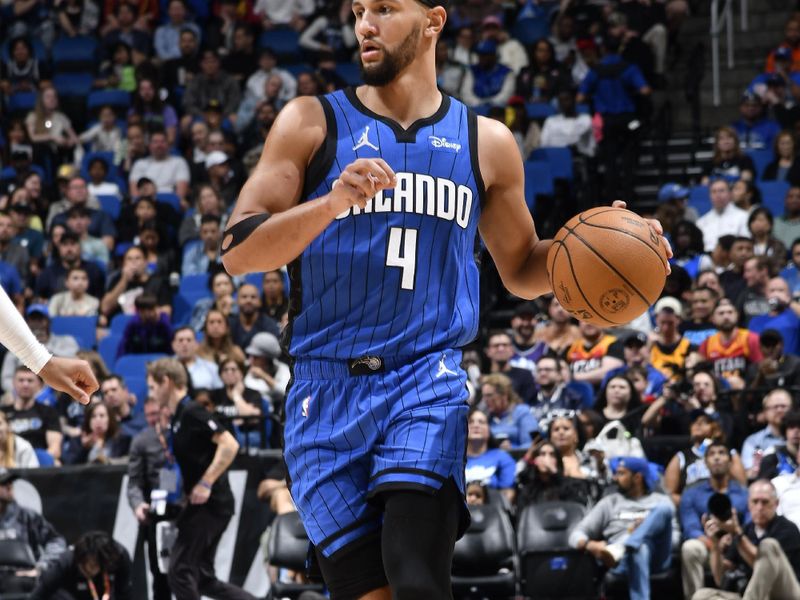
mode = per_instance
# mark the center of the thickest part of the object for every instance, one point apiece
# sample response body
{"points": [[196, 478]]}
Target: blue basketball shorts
{"points": [[350, 436]]}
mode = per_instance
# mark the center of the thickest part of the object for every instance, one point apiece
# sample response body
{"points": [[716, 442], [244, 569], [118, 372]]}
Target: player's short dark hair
{"points": [[98, 546], [22, 369], [726, 242], [184, 328], [770, 338], [742, 238], [704, 288], [719, 443], [145, 302], [77, 268], [210, 219], [119, 378]]}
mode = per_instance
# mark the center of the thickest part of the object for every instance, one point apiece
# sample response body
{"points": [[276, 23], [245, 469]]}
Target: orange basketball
{"points": [[607, 266]]}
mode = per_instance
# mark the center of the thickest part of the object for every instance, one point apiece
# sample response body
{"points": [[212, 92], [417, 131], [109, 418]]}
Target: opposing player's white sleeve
{"points": [[18, 338]]}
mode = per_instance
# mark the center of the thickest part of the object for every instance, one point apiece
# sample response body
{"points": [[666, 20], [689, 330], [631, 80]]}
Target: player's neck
{"points": [[410, 97]]}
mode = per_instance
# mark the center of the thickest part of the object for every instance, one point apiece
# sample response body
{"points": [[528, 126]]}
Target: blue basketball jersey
{"points": [[399, 277]]}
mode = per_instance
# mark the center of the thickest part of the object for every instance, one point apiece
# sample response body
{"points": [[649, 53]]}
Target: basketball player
{"points": [[374, 197], [68, 375]]}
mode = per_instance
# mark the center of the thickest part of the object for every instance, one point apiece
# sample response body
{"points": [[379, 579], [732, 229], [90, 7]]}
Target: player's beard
{"points": [[384, 72]]}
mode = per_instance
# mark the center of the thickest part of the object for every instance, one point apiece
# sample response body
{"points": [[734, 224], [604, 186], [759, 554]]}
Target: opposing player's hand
{"points": [[360, 181], [72, 376], [656, 225]]}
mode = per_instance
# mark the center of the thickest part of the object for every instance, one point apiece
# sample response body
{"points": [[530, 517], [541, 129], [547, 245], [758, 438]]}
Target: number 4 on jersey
{"points": [[407, 260]]}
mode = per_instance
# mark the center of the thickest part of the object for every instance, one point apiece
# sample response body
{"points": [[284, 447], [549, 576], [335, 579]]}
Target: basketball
{"points": [[607, 266]]}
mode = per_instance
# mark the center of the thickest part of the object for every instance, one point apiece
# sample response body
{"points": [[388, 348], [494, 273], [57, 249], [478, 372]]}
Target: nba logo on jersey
{"points": [[306, 402]]}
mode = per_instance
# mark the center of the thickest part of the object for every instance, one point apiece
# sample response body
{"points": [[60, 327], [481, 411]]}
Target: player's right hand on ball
{"points": [[360, 181]]}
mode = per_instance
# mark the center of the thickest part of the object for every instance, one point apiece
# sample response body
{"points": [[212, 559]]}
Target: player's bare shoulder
{"points": [[498, 155], [299, 130]]}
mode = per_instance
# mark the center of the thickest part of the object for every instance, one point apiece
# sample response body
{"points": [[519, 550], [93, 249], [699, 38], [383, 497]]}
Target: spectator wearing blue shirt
{"points": [[781, 316], [791, 273], [511, 421], [148, 332], [756, 132], [552, 393], [11, 282], [168, 35], [487, 82], [199, 258], [776, 404], [694, 504], [485, 461], [613, 85]]}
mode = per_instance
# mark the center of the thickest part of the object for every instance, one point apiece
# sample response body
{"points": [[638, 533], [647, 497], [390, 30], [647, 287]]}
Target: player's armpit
{"points": [[506, 225]]}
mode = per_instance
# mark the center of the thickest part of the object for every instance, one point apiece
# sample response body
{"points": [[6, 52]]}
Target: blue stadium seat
{"points": [[172, 199], [283, 41], [700, 199], [761, 158], [538, 182], [298, 68], [482, 110], [530, 30], [73, 84], [350, 72], [183, 305], [559, 159], [119, 99], [773, 194], [583, 109], [83, 329], [21, 102], [135, 365], [111, 205], [74, 53], [540, 110], [256, 279], [45, 458], [585, 390], [107, 348], [118, 323], [194, 284], [138, 387]]}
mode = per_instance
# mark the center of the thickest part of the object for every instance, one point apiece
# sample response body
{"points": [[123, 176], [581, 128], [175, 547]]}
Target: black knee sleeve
{"points": [[358, 569], [419, 533]]}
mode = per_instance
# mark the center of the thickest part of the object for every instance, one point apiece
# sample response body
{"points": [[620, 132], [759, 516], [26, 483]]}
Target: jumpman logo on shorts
{"points": [[364, 141], [443, 370]]}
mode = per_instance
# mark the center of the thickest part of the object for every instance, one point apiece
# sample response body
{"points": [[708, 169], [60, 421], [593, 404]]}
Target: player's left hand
{"points": [[656, 225], [200, 494], [72, 376]]}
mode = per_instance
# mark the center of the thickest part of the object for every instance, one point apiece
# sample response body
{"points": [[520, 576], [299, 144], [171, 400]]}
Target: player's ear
{"points": [[437, 17]]}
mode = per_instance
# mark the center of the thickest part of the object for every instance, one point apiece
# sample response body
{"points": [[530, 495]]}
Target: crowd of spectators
{"points": [[109, 213]]}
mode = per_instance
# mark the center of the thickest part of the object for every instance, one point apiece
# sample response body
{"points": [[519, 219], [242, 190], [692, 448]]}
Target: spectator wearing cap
{"points": [[756, 131], [613, 85], [221, 177], [732, 349], [249, 320], [776, 404], [21, 213], [52, 278], [92, 249], [676, 196], [782, 315], [693, 510], [637, 352], [724, 216], [500, 352], [149, 332], [776, 369], [266, 373], [211, 84], [488, 81], [167, 36], [669, 348], [786, 165], [568, 128], [729, 160], [527, 350], [631, 531], [781, 459], [169, 173], [30, 528], [37, 422], [203, 373], [510, 52], [791, 41]]}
